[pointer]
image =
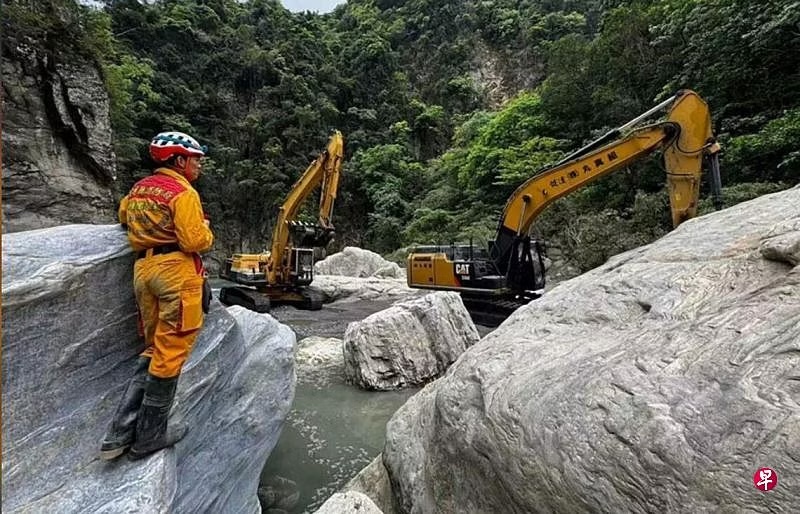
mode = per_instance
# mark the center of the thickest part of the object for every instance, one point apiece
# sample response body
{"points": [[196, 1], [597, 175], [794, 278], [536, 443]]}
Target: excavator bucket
{"points": [[310, 235]]}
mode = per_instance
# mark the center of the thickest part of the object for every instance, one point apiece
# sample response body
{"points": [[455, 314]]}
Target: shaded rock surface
{"points": [[373, 481], [58, 162], [357, 262], [658, 382], [409, 343], [278, 493], [69, 347]]}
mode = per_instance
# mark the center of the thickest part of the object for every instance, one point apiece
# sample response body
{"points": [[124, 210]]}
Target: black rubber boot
{"points": [[151, 427], [121, 430]]}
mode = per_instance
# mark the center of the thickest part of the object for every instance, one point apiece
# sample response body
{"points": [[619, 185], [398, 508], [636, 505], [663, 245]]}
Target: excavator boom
{"points": [[514, 267], [685, 136], [324, 170]]}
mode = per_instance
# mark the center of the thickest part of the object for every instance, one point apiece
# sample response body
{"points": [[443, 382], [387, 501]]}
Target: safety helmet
{"points": [[167, 144]]}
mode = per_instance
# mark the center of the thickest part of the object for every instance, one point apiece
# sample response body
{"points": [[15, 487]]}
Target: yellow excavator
{"points": [[282, 275], [495, 281]]}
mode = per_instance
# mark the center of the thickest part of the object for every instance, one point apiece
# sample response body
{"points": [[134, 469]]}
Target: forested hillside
{"points": [[445, 106]]}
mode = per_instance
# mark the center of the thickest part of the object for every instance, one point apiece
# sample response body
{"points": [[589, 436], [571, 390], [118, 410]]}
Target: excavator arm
{"points": [[282, 274], [685, 137], [330, 179], [325, 171], [495, 282]]}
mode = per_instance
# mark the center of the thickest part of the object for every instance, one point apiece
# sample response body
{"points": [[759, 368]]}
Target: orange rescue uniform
{"points": [[164, 209]]}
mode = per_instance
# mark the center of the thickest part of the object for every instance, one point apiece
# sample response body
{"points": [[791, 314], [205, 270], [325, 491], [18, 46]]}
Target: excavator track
{"points": [[491, 312], [262, 301], [311, 300], [245, 297]]}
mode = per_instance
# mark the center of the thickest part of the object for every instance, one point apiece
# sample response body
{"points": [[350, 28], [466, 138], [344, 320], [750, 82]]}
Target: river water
{"points": [[328, 437], [334, 429]]}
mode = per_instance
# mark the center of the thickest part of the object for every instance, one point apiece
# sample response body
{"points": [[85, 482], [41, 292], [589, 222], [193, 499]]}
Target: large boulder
{"points": [[69, 347], [373, 482], [58, 162], [357, 262], [336, 287], [351, 502], [659, 382], [409, 343]]}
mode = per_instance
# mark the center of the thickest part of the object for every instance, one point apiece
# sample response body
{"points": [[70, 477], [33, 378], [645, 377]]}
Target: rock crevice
{"points": [[58, 161]]}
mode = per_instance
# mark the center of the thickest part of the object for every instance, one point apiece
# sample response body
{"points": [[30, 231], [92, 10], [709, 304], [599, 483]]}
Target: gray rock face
{"points": [[349, 502], [659, 382], [408, 344], [357, 262], [58, 162], [69, 346], [373, 481]]}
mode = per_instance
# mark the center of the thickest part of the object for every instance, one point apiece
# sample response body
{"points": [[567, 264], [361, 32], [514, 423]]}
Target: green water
{"points": [[334, 429], [330, 435]]}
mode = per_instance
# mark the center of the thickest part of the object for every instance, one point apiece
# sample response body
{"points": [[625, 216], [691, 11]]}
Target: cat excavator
{"points": [[283, 274], [496, 280]]}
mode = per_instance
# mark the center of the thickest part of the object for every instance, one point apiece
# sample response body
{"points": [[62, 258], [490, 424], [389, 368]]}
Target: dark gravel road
{"points": [[331, 320]]}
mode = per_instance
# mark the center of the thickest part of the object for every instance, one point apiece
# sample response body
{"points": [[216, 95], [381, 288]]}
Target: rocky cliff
{"points": [[58, 163]]}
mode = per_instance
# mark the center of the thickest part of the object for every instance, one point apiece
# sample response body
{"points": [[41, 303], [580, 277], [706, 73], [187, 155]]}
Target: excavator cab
{"points": [[489, 294]]}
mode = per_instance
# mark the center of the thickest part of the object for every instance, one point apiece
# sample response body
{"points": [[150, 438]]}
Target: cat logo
{"points": [[462, 269]]}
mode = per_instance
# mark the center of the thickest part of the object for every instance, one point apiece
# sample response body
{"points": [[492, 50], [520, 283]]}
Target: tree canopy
{"points": [[445, 106]]}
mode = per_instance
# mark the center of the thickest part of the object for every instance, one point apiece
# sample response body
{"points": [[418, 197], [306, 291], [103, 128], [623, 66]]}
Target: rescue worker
{"points": [[166, 229]]}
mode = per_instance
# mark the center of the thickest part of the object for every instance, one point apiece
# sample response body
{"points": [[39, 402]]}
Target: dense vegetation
{"points": [[445, 106]]}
